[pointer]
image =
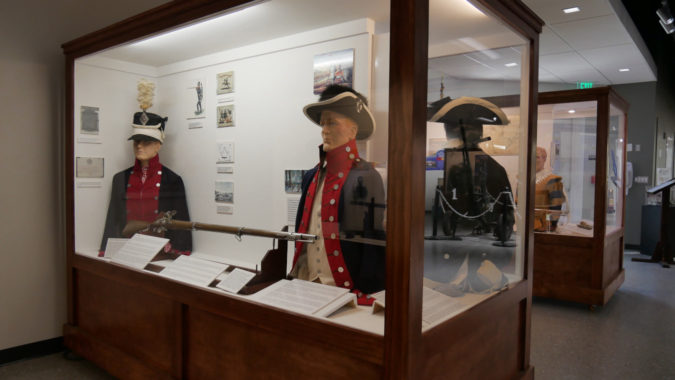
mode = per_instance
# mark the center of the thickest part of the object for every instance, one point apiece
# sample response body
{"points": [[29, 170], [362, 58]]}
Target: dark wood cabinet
{"points": [[139, 325], [577, 264]]}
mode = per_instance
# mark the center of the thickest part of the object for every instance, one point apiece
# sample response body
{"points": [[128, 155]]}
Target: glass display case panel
{"points": [[565, 179], [615, 170], [476, 159], [244, 142]]}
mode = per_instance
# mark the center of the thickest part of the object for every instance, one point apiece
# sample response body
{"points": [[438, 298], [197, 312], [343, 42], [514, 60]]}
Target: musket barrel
{"points": [[164, 223], [239, 231]]}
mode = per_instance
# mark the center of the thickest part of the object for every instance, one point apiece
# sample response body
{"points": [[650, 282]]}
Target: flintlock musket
{"points": [[166, 222]]}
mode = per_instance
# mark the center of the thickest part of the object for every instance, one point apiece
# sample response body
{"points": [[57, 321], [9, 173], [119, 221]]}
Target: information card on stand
{"points": [[305, 297], [113, 245], [139, 250], [193, 270], [235, 280]]}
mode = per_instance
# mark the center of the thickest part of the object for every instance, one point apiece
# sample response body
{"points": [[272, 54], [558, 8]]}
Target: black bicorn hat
{"points": [[346, 102], [467, 110], [148, 127]]}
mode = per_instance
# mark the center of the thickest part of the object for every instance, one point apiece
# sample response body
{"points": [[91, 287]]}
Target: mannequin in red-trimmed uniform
{"points": [[148, 189], [342, 201]]}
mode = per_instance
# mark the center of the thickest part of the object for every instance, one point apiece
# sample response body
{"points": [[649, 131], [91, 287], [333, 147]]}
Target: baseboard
{"points": [[31, 350], [632, 247]]}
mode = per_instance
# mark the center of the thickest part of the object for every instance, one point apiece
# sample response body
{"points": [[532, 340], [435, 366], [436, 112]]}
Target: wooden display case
{"points": [[576, 264], [136, 325]]}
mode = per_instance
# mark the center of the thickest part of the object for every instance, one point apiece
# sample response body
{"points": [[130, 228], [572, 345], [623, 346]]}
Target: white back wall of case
{"points": [[270, 135]]}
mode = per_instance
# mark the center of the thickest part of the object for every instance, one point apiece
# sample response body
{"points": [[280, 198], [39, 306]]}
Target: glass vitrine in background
{"points": [[579, 195]]}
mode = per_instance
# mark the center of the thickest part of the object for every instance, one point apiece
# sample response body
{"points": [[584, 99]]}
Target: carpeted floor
{"points": [[632, 337]]}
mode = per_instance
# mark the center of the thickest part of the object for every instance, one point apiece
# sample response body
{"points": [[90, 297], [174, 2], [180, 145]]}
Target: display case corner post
{"points": [[405, 236], [68, 150], [601, 167], [533, 103]]}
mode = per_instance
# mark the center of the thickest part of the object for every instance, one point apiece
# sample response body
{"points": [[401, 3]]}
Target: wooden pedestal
{"points": [[139, 326], [578, 269]]}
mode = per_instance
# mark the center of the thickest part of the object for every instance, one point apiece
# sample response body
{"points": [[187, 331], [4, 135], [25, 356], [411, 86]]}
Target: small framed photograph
{"points": [[89, 167], [336, 67], [225, 116], [225, 83], [89, 120], [225, 152], [224, 192], [293, 181]]}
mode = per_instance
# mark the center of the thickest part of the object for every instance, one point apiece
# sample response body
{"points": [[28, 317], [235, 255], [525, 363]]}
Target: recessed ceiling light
{"points": [[624, 70], [572, 10], [571, 111], [511, 64]]}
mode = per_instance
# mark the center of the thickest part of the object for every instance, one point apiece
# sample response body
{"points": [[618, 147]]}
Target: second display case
{"points": [[579, 195]]}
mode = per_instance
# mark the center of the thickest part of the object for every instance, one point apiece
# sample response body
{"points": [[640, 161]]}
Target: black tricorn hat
{"points": [[148, 127], [468, 110], [348, 103]]}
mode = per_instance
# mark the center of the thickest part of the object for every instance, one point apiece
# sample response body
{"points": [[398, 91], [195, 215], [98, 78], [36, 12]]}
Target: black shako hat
{"points": [[148, 127], [347, 103], [468, 110]]}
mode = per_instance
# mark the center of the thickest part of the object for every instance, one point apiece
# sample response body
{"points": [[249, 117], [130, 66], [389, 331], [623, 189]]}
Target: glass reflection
{"points": [[615, 153], [565, 178], [476, 150]]}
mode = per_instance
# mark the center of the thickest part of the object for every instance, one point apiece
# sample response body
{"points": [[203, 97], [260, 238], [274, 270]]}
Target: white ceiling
{"points": [[591, 45]]}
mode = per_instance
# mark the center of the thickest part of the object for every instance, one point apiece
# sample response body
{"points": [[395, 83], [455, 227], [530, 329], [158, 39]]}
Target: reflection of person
{"points": [[342, 200], [147, 189], [548, 195]]}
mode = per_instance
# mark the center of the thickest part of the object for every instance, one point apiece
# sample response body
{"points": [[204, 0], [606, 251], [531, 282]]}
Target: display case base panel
{"points": [[566, 272], [486, 342], [115, 361], [140, 330]]}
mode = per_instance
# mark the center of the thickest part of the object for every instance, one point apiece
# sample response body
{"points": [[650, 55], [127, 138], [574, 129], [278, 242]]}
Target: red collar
{"points": [[153, 165], [340, 158]]}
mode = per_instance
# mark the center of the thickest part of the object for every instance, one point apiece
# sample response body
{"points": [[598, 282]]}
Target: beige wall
{"points": [[32, 257]]}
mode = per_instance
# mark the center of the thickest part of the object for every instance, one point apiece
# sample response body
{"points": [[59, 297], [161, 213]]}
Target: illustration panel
{"points": [[225, 152], [89, 167], [225, 116], [89, 120], [293, 179], [225, 83], [333, 68], [195, 92], [225, 191]]}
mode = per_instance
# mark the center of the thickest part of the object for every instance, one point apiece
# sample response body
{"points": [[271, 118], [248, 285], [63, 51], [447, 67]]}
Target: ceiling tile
{"points": [[613, 57], [564, 62], [550, 43], [593, 33], [637, 73], [551, 10], [547, 76], [587, 75]]}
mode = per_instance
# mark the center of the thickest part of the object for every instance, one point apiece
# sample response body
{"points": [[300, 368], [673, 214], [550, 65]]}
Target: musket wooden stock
{"points": [[183, 225]]}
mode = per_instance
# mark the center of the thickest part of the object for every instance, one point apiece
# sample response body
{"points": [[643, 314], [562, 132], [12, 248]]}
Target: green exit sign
{"points": [[584, 85]]}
